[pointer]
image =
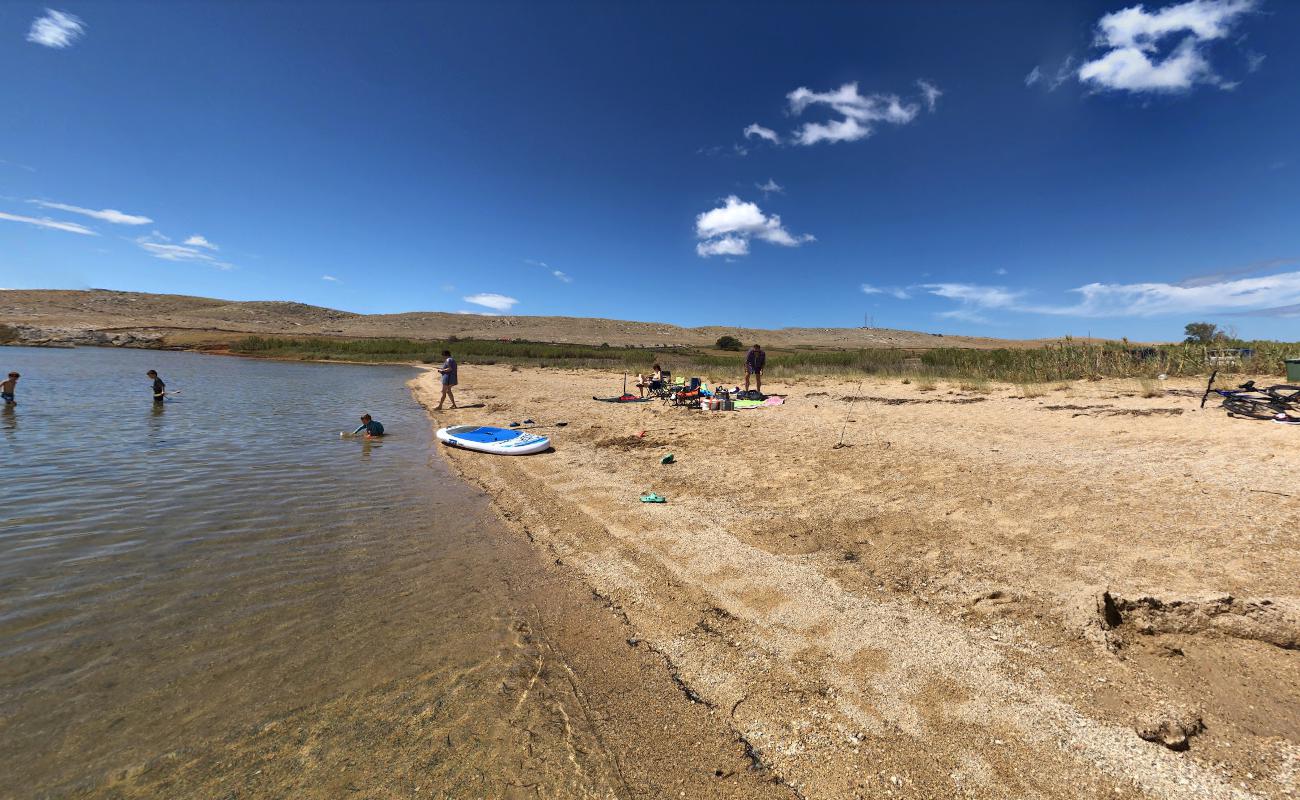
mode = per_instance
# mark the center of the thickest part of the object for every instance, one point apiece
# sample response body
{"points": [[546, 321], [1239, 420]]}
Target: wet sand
{"points": [[979, 595], [541, 696]]}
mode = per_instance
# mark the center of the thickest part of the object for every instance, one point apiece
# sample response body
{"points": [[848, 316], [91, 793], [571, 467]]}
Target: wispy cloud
{"points": [[759, 131], [159, 246], [468, 313], [893, 291], [930, 94], [976, 295], [965, 315], [497, 302], [107, 214], [1134, 60], [1253, 268], [771, 187], [563, 277], [1268, 295], [56, 29], [859, 114], [727, 230], [16, 165], [1051, 83], [199, 241], [52, 224], [329, 278]]}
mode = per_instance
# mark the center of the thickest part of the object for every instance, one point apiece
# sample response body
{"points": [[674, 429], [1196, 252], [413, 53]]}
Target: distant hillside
{"points": [[100, 316]]}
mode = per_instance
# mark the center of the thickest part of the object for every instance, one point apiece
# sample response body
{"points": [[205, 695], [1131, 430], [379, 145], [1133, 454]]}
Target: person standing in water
{"points": [[448, 372], [7, 389], [371, 426], [159, 388], [754, 361]]}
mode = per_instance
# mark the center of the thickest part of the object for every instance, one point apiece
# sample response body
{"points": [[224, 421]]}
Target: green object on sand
{"points": [[668, 459], [653, 498]]}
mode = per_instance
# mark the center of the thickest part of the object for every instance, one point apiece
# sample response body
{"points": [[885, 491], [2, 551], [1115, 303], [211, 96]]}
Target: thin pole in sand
{"points": [[847, 413]]}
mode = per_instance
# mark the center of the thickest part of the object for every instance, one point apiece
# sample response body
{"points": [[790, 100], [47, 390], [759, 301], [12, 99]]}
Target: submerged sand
{"points": [[974, 595]]}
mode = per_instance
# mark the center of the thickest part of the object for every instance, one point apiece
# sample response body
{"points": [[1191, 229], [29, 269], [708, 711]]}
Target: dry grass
{"points": [[1031, 390], [1151, 388], [975, 386]]}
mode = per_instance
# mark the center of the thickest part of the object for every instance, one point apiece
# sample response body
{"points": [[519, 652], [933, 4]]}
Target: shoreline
{"points": [[868, 619]]}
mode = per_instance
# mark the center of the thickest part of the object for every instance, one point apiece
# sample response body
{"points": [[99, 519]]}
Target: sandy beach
{"points": [[1087, 593]]}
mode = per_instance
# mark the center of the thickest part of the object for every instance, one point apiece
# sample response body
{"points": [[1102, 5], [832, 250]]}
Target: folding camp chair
{"points": [[662, 388]]}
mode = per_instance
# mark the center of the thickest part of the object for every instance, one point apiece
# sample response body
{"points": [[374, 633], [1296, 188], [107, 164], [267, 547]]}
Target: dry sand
{"points": [[979, 595]]}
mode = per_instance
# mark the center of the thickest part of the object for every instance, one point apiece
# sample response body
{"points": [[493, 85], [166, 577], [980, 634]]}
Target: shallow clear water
{"points": [[176, 581]]}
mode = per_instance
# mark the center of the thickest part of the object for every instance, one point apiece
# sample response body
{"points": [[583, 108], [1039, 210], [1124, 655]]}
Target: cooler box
{"points": [[1293, 370]]}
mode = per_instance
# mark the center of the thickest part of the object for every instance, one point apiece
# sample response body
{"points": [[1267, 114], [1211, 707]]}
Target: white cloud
{"points": [[498, 302], [1063, 74], [56, 29], [726, 230], [966, 315], [16, 165], [1149, 299], [555, 273], [464, 312], [1134, 61], [1258, 295], [159, 246], [763, 133], [930, 93], [329, 278], [893, 291], [1000, 271], [723, 246], [771, 187], [107, 215], [860, 113], [199, 241], [975, 295], [52, 224]]}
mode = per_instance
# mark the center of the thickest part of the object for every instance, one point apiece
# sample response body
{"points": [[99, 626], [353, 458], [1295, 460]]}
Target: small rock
{"points": [[1170, 727]]}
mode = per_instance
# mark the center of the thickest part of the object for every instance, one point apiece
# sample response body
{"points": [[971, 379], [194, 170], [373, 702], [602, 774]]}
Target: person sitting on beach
{"points": [[754, 361], [7, 389], [159, 388], [371, 426], [653, 382], [448, 372]]}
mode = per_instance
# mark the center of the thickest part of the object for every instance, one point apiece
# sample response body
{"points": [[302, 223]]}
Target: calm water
{"points": [[219, 595]]}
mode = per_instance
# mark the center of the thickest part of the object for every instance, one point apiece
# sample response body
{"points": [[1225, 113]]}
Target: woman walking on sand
{"points": [[448, 372]]}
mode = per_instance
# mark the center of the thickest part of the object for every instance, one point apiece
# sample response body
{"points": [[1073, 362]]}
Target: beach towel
{"points": [[626, 398]]}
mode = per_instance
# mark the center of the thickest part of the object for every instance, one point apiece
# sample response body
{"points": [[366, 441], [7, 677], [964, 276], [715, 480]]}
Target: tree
{"points": [[730, 343], [1202, 333]]}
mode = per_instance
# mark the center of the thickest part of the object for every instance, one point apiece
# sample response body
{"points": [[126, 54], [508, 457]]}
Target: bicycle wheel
{"points": [[1285, 393], [1253, 407]]}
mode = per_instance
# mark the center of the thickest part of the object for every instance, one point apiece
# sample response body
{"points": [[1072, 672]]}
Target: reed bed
{"points": [[1056, 365]]}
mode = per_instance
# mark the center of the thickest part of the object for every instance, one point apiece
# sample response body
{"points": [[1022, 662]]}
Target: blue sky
{"points": [[1006, 169]]}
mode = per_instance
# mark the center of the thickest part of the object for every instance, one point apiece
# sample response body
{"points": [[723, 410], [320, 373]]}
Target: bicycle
{"points": [[1280, 403]]}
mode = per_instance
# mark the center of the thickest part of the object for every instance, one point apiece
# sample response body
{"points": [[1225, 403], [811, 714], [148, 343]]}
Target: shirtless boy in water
{"points": [[7, 389]]}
